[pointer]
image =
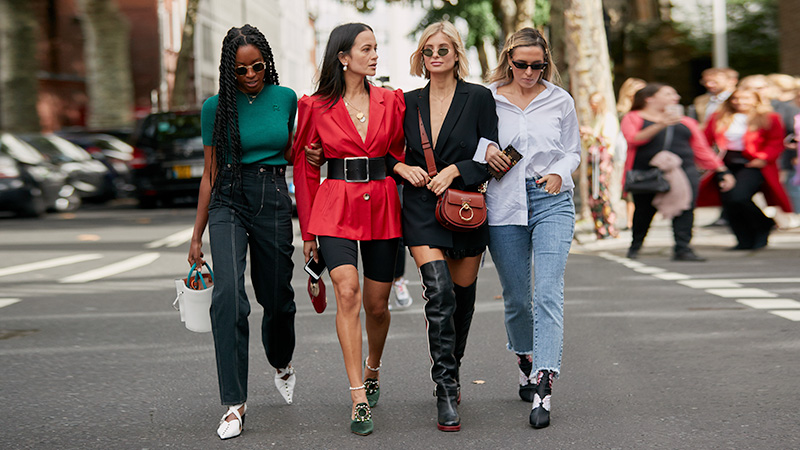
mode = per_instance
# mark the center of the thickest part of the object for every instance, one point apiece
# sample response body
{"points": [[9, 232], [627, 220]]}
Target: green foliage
{"points": [[477, 13]]}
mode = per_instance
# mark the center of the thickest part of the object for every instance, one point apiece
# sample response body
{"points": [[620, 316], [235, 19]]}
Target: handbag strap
{"points": [[430, 161], [668, 138]]}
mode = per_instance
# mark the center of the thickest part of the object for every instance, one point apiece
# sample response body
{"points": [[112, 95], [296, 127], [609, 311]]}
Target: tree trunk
{"points": [[504, 11], [180, 92], [558, 43], [19, 87], [524, 15], [109, 81], [589, 67], [483, 58]]}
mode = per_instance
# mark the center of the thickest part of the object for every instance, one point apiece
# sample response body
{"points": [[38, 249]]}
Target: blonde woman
{"points": [[750, 138], [531, 212], [624, 102], [598, 141], [458, 118]]}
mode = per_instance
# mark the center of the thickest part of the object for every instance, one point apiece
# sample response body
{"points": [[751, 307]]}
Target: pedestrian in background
{"points": [[244, 199], [652, 119], [624, 102], [531, 211], [598, 139], [750, 136], [719, 83], [359, 128], [458, 118]]}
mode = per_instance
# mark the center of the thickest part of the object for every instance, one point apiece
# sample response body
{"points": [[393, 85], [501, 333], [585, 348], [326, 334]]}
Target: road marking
{"points": [[769, 280], [770, 303], [113, 269], [173, 240], [791, 315], [741, 293], [708, 284], [671, 276], [8, 301], [50, 263], [649, 270]]}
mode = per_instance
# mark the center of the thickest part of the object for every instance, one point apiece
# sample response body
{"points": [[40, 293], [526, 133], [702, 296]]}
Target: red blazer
{"points": [[358, 211], [766, 144]]}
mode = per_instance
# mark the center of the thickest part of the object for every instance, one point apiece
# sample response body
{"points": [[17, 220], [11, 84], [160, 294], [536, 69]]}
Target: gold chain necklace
{"points": [[250, 97], [441, 102], [360, 115]]}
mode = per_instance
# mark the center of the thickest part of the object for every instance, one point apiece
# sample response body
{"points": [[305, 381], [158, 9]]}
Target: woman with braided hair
{"points": [[247, 135]]}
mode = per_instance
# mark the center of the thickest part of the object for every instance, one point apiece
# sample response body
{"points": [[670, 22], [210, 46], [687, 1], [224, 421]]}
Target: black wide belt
{"points": [[357, 169]]}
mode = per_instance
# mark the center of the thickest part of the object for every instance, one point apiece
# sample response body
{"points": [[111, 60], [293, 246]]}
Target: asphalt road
{"points": [[657, 354]]}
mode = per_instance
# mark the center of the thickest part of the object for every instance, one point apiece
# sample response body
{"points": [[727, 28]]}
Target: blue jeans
{"points": [[534, 315], [254, 213]]}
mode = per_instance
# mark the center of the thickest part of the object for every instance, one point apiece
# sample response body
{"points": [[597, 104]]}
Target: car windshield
{"points": [[22, 152], [70, 150], [172, 127]]}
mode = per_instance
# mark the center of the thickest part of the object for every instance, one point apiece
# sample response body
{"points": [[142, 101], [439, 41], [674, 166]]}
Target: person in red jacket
{"points": [[750, 138], [360, 130]]}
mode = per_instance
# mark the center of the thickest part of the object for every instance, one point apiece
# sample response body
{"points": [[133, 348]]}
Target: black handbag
{"points": [[649, 181]]}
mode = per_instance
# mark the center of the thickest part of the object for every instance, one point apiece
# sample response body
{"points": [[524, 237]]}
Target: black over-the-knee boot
{"points": [[440, 304], [462, 319]]}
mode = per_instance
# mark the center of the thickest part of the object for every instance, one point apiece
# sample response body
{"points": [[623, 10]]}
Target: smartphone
{"points": [[513, 155], [315, 268]]}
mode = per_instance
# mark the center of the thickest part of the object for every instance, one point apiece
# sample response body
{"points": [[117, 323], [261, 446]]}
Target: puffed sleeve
{"points": [[397, 141], [306, 177], [472, 172]]}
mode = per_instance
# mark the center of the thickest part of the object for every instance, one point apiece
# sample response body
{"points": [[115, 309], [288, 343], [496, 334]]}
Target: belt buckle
{"points": [[366, 169]]}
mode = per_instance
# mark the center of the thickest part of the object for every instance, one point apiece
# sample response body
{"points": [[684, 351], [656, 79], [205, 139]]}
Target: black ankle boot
{"points": [[462, 319], [527, 388], [540, 415], [447, 411], [440, 305]]}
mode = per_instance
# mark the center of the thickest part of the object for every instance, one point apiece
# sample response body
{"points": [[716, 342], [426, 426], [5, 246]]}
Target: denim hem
{"points": [[234, 403], [555, 371]]}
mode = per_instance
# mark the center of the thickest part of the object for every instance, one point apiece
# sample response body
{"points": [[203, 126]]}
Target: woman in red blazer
{"points": [[750, 138], [360, 130]]}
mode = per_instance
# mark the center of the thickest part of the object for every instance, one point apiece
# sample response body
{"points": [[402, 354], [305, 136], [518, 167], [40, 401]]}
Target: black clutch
{"points": [[513, 155]]}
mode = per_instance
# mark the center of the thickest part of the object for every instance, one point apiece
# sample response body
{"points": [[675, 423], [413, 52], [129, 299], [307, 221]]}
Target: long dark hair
{"points": [[226, 138], [644, 93], [331, 85]]}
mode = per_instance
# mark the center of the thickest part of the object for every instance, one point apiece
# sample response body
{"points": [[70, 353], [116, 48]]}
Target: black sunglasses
{"points": [[257, 67], [429, 52], [524, 66]]}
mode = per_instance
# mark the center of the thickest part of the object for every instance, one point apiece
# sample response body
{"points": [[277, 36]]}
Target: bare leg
{"points": [[376, 307], [348, 325]]}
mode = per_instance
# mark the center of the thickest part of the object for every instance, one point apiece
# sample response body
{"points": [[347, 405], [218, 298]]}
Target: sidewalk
{"points": [[659, 238]]}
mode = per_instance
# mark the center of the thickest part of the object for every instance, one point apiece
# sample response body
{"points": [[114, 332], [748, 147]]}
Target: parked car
{"points": [[111, 151], [168, 157], [90, 177], [29, 183]]}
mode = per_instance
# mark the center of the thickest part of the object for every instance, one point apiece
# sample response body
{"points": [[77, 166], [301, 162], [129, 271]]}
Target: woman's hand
{"points": [[310, 247], [443, 179], [196, 253], [415, 175], [727, 182], [552, 183], [756, 164], [497, 160], [314, 155]]}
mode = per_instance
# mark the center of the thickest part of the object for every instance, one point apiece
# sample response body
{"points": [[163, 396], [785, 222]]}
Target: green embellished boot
{"points": [[372, 386], [362, 423]]}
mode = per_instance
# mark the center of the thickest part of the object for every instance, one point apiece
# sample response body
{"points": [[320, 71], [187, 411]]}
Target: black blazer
{"points": [[472, 115]]}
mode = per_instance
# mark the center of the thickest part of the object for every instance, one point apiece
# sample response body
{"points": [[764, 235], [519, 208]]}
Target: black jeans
{"points": [[745, 218], [681, 225], [256, 212]]}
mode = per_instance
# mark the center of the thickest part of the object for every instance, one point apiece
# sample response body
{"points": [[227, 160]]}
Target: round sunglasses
{"points": [[429, 52], [257, 67], [524, 66]]}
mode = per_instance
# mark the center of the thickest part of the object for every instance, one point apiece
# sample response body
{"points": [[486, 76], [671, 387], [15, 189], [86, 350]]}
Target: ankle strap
{"points": [[374, 369], [357, 388]]}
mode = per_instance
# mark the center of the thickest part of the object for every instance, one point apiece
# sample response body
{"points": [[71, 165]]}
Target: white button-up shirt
{"points": [[547, 135]]}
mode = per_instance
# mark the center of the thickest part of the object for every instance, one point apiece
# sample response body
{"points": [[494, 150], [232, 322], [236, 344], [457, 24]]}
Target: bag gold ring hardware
{"points": [[465, 206]]}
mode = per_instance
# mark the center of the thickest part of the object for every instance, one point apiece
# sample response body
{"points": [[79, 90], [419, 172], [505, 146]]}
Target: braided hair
{"points": [[226, 139]]}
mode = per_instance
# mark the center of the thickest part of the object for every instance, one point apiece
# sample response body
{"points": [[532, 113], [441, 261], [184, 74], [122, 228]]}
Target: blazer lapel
{"points": [[342, 118], [456, 107], [376, 110], [424, 103]]}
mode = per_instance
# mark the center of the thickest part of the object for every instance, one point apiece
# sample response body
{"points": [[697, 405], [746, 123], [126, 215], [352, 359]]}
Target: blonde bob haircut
{"points": [[526, 37], [448, 29]]}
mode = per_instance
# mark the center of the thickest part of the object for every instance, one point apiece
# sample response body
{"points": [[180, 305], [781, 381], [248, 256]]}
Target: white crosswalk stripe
{"points": [[113, 269], [47, 264], [8, 301]]}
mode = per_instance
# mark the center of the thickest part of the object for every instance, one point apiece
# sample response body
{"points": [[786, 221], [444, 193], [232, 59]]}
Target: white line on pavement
{"points": [[741, 293], [8, 301], [794, 316], [708, 284], [113, 269], [50, 263], [173, 240], [768, 280], [770, 303]]}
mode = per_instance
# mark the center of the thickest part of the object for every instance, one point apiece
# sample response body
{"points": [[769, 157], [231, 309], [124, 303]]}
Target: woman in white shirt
{"points": [[531, 211]]}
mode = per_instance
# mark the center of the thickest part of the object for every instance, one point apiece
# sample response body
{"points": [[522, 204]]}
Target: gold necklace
{"points": [[250, 97], [441, 102], [360, 115]]}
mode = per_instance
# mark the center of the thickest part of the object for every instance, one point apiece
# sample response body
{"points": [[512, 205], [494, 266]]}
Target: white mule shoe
{"points": [[232, 429], [286, 387]]}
